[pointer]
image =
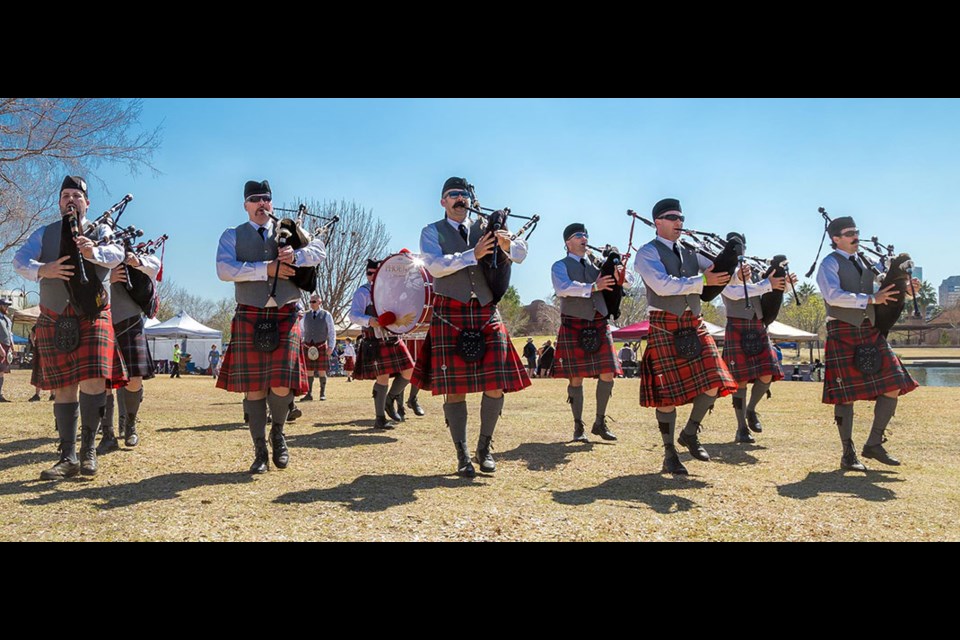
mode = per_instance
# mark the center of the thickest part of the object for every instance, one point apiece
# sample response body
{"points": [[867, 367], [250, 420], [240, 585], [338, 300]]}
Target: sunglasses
{"points": [[578, 234], [851, 234], [457, 194], [314, 302], [370, 273], [672, 217], [264, 198]]}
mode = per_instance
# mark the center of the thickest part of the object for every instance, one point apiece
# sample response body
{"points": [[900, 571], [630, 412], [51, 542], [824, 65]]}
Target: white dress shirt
{"points": [[655, 276], [230, 269]]}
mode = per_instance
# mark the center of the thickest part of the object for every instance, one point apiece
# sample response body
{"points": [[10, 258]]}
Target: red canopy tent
{"points": [[636, 331]]}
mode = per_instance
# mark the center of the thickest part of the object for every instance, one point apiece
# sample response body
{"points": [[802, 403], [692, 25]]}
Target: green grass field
{"points": [[187, 480]]}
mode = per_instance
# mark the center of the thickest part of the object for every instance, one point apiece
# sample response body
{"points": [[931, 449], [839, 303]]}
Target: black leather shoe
{"points": [[307, 398], [281, 455], [61, 471], [323, 396], [391, 410], [34, 398], [484, 459], [294, 413], [849, 460], [744, 436], [464, 466], [108, 443], [88, 451], [383, 423], [692, 443], [878, 453], [600, 429], [753, 421], [130, 438], [417, 409], [2, 399], [579, 430], [261, 456], [671, 461], [400, 410]]}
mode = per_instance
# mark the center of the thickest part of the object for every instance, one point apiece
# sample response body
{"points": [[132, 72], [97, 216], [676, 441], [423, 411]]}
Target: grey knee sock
{"points": [[575, 398], [604, 391], [66, 415], [323, 385], [121, 403], [843, 415], [1, 384], [279, 406], [414, 390], [667, 423], [701, 404], [310, 382], [380, 399], [106, 424], [455, 414], [256, 410], [399, 384], [490, 410], [91, 409], [886, 408], [131, 404], [757, 393], [738, 401]]}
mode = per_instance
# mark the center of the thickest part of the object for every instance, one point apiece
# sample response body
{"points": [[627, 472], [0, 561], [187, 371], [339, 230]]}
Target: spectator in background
{"points": [[530, 353], [214, 358], [545, 364]]}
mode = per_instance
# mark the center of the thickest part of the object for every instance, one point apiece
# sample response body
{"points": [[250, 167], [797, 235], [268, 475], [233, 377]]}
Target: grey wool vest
{"points": [[469, 280], [852, 280], [584, 308], [738, 308], [315, 329], [689, 268], [54, 294], [122, 306], [251, 248]]}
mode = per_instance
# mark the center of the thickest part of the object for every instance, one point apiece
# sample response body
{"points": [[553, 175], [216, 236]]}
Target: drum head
{"points": [[403, 286]]}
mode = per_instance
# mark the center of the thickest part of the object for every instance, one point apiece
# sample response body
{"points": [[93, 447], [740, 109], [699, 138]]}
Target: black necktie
{"points": [[463, 232], [263, 233], [583, 261], [314, 315], [676, 252], [853, 259]]}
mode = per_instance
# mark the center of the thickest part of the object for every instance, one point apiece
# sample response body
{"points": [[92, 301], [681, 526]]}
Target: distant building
{"points": [[918, 273], [950, 292]]}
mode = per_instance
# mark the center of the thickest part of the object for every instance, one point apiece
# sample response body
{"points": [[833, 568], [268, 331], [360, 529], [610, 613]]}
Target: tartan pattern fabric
{"points": [[573, 361], [746, 368], [442, 371], [95, 357], [843, 383], [321, 364], [243, 368], [394, 358], [132, 344], [666, 380], [348, 363]]}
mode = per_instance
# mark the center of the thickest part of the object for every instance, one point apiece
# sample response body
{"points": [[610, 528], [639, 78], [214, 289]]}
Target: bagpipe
{"points": [[728, 255], [897, 271], [497, 266], [611, 259], [294, 233]]}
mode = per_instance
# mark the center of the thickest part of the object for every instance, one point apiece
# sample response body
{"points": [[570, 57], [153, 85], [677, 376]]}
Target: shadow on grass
{"points": [[377, 493], [733, 453], [165, 487], [866, 486], [26, 445], [367, 422], [544, 456], [337, 438], [649, 489], [226, 426]]}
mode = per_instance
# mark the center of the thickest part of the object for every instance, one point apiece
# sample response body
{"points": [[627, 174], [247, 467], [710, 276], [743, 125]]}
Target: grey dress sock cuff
{"points": [[279, 407], [575, 398], [455, 414], [380, 399], [67, 415], [490, 410], [604, 391], [91, 409]]}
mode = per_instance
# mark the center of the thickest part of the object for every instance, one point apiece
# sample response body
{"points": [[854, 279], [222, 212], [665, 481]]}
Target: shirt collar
{"points": [[467, 222], [669, 243], [575, 256], [844, 253], [256, 226]]}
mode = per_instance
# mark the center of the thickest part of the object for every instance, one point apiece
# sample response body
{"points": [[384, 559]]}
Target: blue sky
{"points": [[755, 166]]}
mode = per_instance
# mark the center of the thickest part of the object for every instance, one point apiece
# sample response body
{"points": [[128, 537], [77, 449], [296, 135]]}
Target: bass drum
{"points": [[402, 286]]}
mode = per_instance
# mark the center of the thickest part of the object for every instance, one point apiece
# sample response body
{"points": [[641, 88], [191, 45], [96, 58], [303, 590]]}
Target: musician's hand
{"points": [[778, 284], [56, 269], [503, 239], [793, 278], [286, 271], [132, 259], [716, 279], [85, 246], [916, 285], [484, 247], [745, 272], [118, 274], [285, 255], [374, 322], [605, 282], [885, 295]]}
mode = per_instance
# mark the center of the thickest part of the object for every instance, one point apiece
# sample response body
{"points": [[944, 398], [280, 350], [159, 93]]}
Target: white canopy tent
{"points": [[193, 337]]}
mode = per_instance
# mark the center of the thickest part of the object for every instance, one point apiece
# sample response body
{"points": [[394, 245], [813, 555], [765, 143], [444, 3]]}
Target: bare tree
{"points": [[43, 138], [515, 317], [358, 235], [633, 307], [174, 299]]}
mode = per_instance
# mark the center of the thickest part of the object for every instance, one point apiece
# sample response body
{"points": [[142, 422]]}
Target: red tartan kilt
{"points": [[843, 382], [132, 344], [245, 369], [441, 370], [95, 357], [666, 379], [746, 368], [348, 363], [394, 358], [321, 364], [573, 362]]}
